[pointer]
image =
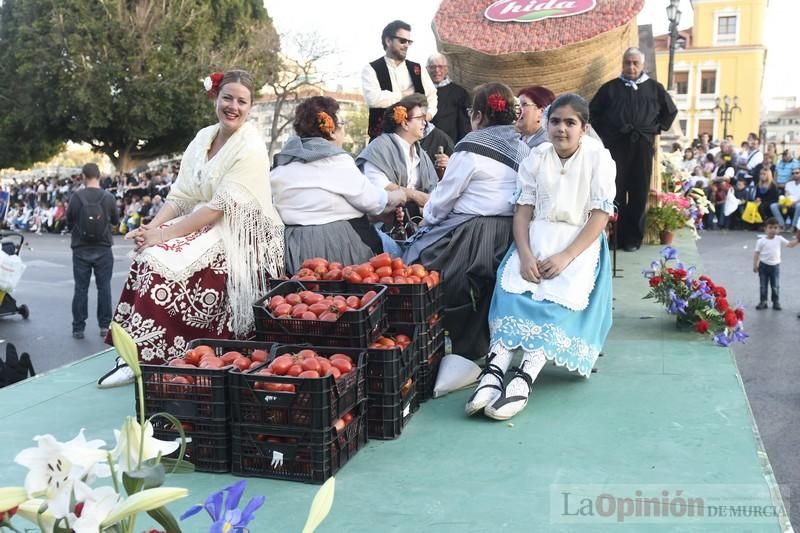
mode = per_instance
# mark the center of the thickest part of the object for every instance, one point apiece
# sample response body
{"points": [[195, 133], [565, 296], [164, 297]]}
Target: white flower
{"points": [[126, 452], [55, 469], [96, 507], [207, 83], [30, 512]]}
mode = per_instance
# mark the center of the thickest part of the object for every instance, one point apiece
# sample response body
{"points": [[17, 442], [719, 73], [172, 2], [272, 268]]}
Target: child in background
{"points": [[767, 262]]}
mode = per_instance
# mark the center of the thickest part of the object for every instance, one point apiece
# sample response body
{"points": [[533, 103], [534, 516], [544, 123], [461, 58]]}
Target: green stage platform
{"points": [[664, 417]]}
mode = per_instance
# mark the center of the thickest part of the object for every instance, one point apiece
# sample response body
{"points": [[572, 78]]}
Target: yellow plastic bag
{"points": [[751, 214]]}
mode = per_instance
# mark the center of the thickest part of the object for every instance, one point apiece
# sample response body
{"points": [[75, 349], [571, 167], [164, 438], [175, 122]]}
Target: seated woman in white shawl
{"points": [[320, 194], [203, 260], [395, 160]]}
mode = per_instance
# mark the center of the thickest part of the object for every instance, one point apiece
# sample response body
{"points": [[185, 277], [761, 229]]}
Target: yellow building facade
{"points": [[723, 54]]}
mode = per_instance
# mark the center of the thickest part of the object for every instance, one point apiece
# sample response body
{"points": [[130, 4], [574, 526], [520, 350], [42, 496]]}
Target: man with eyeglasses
{"points": [[388, 79], [784, 169], [453, 100]]}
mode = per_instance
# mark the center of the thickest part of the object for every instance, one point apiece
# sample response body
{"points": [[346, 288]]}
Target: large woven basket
{"points": [[580, 66]]}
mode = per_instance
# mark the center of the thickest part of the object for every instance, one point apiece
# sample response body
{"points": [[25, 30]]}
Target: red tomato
{"points": [[324, 365], [281, 365], [211, 362], [192, 357], [335, 265], [283, 309], [381, 260], [294, 370], [339, 425], [308, 315], [259, 356], [372, 278], [343, 366], [313, 298], [321, 270], [309, 374], [298, 310], [347, 417], [418, 270], [335, 372], [352, 277], [353, 301], [400, 280], [428, 280], [230, 357], [383, 271], [364, 270], [311, 363], [386, 280], [293, 299], [367, 298], [286, 387], [400, 273], [339, 305], [242, 363], [204, 350], [276, 301], [341, 356], [386, 341], [179, 362], [402, 339], [335, 274], [397, 263], [329, 317], [319, 308], [416, 280], [305, 354]]}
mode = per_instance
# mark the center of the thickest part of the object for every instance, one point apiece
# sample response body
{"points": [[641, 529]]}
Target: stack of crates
{"points": [[422, 308], [392, 375], [306, 433], [199, 398]]}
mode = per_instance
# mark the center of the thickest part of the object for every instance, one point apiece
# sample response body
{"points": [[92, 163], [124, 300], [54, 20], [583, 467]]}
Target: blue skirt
{"points": [[572, 339]]}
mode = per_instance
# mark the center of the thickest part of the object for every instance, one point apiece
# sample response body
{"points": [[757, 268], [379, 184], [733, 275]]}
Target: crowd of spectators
{"points": [[40, 205], [769, 179]]}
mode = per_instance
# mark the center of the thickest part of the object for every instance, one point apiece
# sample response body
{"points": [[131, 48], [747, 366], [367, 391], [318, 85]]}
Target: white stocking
{"points": [[531, 364]]}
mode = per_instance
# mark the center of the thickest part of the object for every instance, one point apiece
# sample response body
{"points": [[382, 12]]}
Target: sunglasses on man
{"points": [[403, 40]]}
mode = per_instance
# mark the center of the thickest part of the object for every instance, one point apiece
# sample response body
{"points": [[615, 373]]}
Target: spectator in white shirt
{"points": [[320, 194], [388, 79]]}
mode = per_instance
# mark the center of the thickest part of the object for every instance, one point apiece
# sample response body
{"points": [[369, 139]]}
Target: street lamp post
{"points": [[674, 17], [726, 111]]}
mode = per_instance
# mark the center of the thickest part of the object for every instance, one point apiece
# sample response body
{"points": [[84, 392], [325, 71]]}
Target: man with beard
{"points": [[390, 78]]}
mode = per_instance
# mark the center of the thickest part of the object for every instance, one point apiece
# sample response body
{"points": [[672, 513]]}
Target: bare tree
{"points": [[299, 78]]}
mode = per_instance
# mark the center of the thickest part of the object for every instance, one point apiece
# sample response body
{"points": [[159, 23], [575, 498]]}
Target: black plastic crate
{"points": [[428, 372], [388, 414], [353, 328], [316, 285], [430, 334], [296, 455], [388, 370], [202, 393], [314, 404], [413, 302], [208, 444]]}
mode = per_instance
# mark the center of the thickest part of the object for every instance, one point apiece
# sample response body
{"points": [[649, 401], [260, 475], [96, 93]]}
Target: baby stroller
{"points": [[11, 244]]}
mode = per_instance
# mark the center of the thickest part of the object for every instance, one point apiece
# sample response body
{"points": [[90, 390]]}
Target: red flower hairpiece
{"points": [[400, 114], [211, 84], [497, 103], [325, 123]]}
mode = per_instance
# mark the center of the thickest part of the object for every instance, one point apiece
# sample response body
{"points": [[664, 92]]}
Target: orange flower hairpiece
{"points": [[497, 103], [325, 123], [400, 114]]}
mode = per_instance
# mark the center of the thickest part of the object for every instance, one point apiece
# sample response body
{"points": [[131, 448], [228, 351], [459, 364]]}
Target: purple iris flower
{"points": [[738, 333], [677, 304], [722, 339], [668, 253], [686, 185], [228, 518]]}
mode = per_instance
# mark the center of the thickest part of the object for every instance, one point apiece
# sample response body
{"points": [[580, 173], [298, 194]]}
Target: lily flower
{"points": [[229, 518], [141, 502], [96, 507], [30, 512], [11, 497], [57, 469], [126, 452]]}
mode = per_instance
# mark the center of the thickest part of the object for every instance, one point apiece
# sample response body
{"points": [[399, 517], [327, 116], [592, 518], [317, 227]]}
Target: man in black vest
{"points": [[388, 79]]}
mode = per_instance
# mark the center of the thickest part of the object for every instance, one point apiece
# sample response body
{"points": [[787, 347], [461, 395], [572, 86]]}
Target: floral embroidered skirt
{"points": [[163, 310], [572, 339]]}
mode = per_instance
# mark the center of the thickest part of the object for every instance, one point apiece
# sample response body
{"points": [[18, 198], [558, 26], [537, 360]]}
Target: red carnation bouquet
{"points": [[695, 300]]}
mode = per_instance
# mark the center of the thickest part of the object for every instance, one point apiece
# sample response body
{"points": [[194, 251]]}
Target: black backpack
{"points": [[92, 220], [15, 368]]}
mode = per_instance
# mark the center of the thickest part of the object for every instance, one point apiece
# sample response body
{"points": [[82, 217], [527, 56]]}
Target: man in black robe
{"points": [[627, 113]]}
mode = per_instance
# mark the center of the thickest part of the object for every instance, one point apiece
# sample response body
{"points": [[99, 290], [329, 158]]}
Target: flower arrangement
{"points": [[695, 300], [60, 493], [399, 114], [497, 103], [325, 123], [211, 84], [669, 213], [682, 183]]}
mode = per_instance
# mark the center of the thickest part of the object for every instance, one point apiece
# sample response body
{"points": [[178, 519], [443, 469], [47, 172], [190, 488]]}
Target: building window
{"points": [[681, 80], [726, 29], [683, 123], [705, 125], [708, 82], [680, 43]]}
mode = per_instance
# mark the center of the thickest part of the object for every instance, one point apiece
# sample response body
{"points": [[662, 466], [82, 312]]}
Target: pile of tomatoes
{"points": [[379, 269], [389, 343], [204, 356], [309, 305], [305, 364]]}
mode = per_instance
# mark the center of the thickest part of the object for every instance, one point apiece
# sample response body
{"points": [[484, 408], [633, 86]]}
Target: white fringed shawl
{"points": [[236, 182]]}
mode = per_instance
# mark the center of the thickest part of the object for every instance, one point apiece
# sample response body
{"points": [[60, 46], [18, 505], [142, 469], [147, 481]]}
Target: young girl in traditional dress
{"points": [[552, 300]]}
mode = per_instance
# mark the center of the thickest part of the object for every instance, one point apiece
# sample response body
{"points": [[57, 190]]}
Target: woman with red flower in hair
{"points": [[322, 197], [467, 219]]}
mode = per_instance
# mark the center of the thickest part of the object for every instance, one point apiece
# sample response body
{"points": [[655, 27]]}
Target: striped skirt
{"points": [[335, 241], [468, 258]]}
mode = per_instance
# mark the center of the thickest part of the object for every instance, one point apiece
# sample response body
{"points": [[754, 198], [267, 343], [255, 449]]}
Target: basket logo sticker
{"points": [[533, 10], [277, 459], [270, 398]]}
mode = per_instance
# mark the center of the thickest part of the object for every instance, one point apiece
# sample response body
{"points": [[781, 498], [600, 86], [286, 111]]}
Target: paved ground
{"points": [[769, 361], [46, 288]]}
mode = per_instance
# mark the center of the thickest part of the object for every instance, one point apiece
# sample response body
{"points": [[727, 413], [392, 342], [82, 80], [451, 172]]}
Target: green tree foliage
{"points": [[122, 75]]}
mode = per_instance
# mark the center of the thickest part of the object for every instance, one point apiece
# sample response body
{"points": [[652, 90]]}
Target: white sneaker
{"points": [[118, 376]]}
